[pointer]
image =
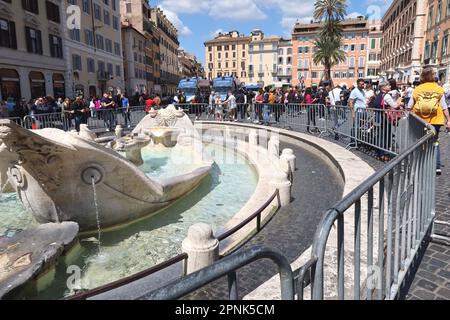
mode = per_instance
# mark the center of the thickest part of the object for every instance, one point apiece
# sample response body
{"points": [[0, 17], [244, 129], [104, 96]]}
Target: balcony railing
{"points": [[103, 76]]}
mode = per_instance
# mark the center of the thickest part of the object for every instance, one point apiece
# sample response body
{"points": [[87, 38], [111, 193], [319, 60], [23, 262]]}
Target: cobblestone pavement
{"points": [[291, 230], [432, 279], [429, 280]]}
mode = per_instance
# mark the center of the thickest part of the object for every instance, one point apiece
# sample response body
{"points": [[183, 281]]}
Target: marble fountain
{"points": [[103, 207]]}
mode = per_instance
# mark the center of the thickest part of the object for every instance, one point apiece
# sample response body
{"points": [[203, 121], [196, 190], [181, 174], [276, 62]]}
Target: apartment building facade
{"points": [[284, 74], [436, 52], [138, 32], [354, 43], [373, 65], [263, 59], [31, 49], [404, 27], [168, 52], [94, 51], [226, 55], [189, 66]]}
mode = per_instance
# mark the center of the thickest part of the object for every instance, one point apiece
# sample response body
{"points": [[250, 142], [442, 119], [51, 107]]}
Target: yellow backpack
{"points": [[427, 103]]}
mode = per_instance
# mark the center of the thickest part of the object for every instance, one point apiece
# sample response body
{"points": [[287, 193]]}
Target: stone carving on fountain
{"points": [[52, 172]]}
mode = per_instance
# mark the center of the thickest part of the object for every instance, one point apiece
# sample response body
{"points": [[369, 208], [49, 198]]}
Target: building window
{"points": [[438, 12], [352, 62], [374, 43], [314, 75], [87, 6], [360, 74], [52, 12], [34, 40], [97, 12], [445, 45], [363, 47], [361, 61], [115, 23], [76, 62], [118, 71], [74, 34], [90, 65], [31, 6], [108, 45], [117, 49], [110, 69], [89, 37], [100, 42], [427, 50], [8, 34], [430, 17], [101, 66], [434, 48], [56, 50], [106, 17]]}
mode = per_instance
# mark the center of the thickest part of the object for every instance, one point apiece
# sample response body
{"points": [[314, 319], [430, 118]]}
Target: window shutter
{"points": [[39, 41], [60, 47], [12, 35], [52, 48], [28, 38]]}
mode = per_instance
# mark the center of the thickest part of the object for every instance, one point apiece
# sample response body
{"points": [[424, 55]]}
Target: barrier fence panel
{"points": [[395, 209], [50, 120], [17, 120], [228, 267]]}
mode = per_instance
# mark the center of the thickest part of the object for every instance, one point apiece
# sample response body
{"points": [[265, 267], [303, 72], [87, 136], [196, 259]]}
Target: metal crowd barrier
{"points": [[49, 120], [110, 118], [17, 120], [228, 267], [385, 131], [396, 209], [397, 205]]}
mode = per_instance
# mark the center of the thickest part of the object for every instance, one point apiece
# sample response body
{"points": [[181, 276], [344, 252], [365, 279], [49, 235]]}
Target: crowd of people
{"points": [[429, 100]]}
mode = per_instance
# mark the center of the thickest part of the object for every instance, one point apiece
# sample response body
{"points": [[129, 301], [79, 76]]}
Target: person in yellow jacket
{"points": [[428, 102]]}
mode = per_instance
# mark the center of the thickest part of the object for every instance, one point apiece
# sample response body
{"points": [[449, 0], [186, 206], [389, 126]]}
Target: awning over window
{"points": [[58, 78], [36, 76], [9, 75]]}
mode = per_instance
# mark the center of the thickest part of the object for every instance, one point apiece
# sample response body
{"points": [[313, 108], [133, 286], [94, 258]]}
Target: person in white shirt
{"points": [[335, 96], [370, 94], [231, 103]]}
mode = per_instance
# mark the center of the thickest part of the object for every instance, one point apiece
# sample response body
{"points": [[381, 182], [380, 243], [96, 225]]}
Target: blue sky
{"points": [[199, 20]]}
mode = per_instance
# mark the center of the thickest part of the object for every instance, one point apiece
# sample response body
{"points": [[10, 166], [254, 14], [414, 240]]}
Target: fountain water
{"points": [[3, 187], [94, 188]]}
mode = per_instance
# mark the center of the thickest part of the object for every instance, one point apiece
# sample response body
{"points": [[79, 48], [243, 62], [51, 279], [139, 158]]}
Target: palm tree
{"points": [[330, 10], [329, 53]]}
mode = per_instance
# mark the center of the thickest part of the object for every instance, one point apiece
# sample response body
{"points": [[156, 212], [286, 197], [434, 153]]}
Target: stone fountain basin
{"points": [[164, 135], [56, 171]]}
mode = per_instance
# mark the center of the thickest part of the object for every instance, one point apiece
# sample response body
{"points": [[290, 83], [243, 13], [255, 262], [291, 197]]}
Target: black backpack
{"points": [[378, 102]]}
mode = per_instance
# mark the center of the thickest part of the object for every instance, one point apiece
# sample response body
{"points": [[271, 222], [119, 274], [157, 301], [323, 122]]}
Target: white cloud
{"points": [[173, 17], [237, 10], [354, 15], [216, 33], [291, 11]]}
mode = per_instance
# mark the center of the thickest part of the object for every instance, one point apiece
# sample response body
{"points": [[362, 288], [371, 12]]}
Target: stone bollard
{"points": [[281, 182], [289, 156], [119, 131], [253, 142], [86, 133], [201, 246], [274, 148]]}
